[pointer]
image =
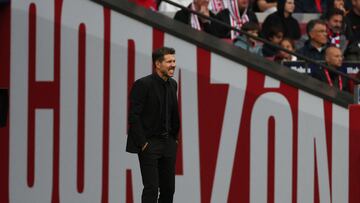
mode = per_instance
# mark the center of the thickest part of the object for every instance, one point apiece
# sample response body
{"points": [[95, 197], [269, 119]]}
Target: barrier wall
{"points": [[245, 136]]}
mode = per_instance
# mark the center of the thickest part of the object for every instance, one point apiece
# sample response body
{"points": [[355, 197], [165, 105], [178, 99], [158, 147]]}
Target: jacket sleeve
{"points": [[297, 30], [268, 22], [138, 96], [175, 116], [211, 27], [222, 31], [182, 16]]}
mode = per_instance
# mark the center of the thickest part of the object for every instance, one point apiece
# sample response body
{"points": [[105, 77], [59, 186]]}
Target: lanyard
{"points": [[330, 82]]}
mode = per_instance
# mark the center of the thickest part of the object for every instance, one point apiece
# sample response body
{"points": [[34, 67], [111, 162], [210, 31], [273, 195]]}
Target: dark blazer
{"points": [[4, 106], [145, 112], [311, 52]]}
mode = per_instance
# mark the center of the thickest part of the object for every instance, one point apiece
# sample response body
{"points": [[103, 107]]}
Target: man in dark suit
{"points": [[154, 126]]}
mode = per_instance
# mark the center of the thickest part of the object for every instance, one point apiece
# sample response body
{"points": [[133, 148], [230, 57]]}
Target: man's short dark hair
{"points": [[332, 12], [250, 26], [274, 30], [311, 24], [158, 54]]}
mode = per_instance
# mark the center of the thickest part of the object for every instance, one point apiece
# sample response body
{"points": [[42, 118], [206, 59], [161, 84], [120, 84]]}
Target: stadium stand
{"points": [[313, 48], [311, 6]]}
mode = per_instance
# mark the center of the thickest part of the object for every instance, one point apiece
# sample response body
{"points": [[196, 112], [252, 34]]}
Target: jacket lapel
{"points": [[157, 90]]}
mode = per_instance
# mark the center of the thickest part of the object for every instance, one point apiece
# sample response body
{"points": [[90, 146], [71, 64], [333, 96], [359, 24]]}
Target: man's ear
{"points": [[157, 64], [310, 35]]}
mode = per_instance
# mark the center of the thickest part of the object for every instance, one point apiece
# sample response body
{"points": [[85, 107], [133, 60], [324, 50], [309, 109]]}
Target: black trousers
{"points": [[157, 165]]}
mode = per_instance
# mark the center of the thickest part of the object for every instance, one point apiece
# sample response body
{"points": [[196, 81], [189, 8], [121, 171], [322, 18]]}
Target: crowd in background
{"points": [[332, 37]]}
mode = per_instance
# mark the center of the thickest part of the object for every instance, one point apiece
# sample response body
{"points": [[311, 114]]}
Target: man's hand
{"points": [[144, 146], [203, 9]]}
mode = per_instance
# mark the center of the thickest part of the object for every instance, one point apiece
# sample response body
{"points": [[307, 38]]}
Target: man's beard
{"points": [[336, 30]]}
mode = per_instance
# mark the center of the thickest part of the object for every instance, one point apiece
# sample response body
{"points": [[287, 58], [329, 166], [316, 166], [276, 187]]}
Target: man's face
{"points": [[276, 39], [200, 3], [166, 68], [356, 5], [287, 45], [335, 23], [243, 4], [334, 57], [339, 4], [319, 34]]}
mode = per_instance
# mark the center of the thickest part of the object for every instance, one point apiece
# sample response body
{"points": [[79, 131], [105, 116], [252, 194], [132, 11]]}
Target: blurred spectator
{"points": [[311, 6], [334, 20], [196, 22], [151, 4], [352, 52], [4, 105], [288, 44], [283, 17], [339, 4], [348, 4], [249, 43], [266, 6], [275, 36], [236, 15], [352, 20], [315, 46], [333, 59], [216, 5], [165, 7]]}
